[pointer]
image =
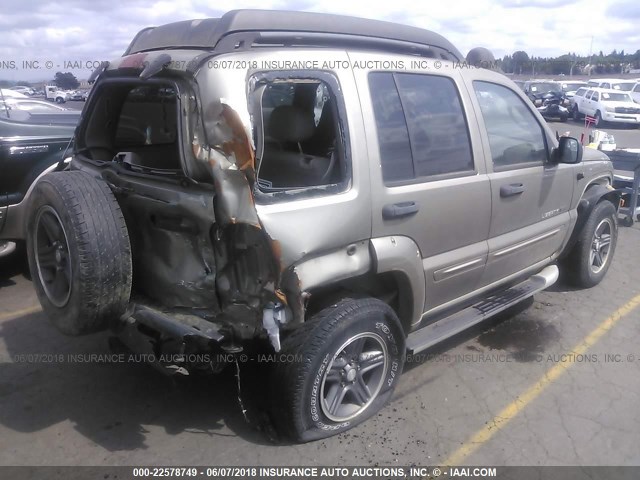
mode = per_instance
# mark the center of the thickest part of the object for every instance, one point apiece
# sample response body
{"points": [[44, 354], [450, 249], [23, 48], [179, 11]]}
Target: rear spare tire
{"points": [[79, 252]]}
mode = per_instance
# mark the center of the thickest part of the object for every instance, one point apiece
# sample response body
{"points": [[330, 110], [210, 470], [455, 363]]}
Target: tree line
{"points": [[521, 63]]}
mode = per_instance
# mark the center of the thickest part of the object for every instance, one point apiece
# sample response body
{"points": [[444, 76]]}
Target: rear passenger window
{"points": [[437, 126], [515, 136], [422, 130]]}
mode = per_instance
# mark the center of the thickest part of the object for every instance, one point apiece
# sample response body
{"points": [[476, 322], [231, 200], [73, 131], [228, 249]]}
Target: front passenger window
{"points": [[515, 136]]}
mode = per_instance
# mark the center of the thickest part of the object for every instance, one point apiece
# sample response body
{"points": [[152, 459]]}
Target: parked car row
{"points": [[604, 99], [28, 91], [50, 92]]}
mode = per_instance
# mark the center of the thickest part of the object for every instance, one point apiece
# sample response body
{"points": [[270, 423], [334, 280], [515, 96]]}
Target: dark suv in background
{"points": [[31, 144], [537, 89]]}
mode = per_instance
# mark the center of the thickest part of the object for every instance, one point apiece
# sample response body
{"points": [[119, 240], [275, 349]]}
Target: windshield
{"points": [[615, 97], [625, 87], [571, 87], [545, 87]]}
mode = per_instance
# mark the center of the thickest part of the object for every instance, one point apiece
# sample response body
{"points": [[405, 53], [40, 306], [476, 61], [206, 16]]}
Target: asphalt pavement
{"points": [[556, 384]]}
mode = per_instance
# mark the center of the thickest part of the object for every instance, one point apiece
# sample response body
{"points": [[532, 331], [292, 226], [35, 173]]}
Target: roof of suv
{"points": [[607, 90], [614, 80], [243, 29]]}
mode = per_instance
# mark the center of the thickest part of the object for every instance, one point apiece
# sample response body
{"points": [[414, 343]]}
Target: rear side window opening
{"points": [[299, 136], [136, 125]]}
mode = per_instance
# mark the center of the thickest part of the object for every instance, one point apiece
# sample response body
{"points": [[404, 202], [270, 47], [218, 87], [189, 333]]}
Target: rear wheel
{"points": [[576, 113], [343, 366], [79, 252], [592, 255]]}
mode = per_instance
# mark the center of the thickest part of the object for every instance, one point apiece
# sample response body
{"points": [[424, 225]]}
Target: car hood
{"points": [[593, 155], [621, 104]]}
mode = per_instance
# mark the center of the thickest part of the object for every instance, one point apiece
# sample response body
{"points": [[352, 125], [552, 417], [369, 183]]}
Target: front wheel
{"points": [[592, 255], [345, 363], [598, 122]]}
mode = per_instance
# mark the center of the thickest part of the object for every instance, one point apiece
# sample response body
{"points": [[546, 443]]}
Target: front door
{"points": [[530, 197]]}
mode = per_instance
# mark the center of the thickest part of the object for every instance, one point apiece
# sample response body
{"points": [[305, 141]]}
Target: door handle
{"points": [[398, 210], [511, 189]]}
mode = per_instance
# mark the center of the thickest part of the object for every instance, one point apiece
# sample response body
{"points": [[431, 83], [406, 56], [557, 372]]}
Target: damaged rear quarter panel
{"points": [[291, 231]]}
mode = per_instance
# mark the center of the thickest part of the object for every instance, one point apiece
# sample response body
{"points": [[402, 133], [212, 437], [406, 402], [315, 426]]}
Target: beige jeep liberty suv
{"points": [[338, 190]]}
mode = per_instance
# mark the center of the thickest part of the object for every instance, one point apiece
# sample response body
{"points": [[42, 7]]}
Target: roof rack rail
{"points": [[246, 29]]}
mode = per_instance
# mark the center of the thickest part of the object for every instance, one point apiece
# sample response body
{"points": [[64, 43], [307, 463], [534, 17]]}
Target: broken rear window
{"points": [[135, 124], [148, 117]]}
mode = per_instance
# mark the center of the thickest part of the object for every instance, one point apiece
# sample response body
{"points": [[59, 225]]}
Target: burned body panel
{"points": [[285, 231]]}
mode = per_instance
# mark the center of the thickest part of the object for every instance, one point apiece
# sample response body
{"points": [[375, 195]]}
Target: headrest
{"points": [[289, 123]]}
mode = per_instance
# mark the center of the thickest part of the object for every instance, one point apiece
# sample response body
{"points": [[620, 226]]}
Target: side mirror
{"points": [[569, 150]]}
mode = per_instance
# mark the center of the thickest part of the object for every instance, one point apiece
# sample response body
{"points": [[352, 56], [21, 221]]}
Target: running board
{"points": [[447, 327]]}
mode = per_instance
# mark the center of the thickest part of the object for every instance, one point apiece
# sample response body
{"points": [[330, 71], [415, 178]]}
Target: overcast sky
{"points": [[94, 30]]}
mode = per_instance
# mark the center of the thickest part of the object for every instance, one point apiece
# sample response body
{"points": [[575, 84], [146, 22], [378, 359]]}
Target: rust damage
{"points": [[250, 269]]}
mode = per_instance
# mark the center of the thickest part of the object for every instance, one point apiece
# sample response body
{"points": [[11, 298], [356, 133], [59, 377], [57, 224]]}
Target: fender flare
{"points": [[593, 195]]}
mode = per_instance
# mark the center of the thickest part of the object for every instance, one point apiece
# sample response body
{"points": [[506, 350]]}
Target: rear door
{"points": [[635, 93], [428, 175], [530, 196]]}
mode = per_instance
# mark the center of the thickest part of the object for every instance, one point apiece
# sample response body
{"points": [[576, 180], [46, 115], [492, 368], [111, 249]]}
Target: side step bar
{"points": [[447, 327]]}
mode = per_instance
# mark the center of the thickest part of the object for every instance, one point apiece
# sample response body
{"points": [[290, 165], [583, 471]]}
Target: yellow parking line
{"points": [[20, 313], [533, 392]]}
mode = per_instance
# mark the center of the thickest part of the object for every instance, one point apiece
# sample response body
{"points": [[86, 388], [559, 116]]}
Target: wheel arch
{"points": [[596, 192], [399, 258], [388, 268]]}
